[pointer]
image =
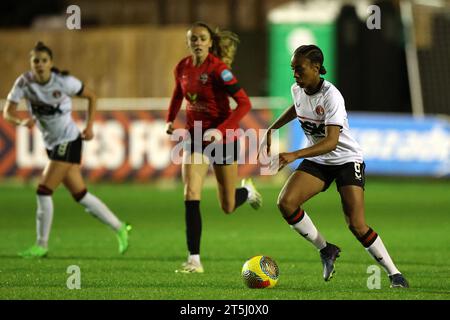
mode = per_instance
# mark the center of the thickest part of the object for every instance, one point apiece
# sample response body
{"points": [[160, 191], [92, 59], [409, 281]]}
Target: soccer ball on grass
{"points": [[260, 272]]}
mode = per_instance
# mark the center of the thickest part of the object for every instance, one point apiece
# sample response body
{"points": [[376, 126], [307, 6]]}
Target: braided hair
{"points": [[313, 53]]}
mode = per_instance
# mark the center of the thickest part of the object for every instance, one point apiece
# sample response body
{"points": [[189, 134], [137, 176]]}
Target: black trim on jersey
{"points": [[232, 88], [81, 90], [318, 88]]}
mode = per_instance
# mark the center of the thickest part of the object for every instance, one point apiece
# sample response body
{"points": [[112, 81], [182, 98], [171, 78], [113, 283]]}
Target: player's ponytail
{"points": [[57, 71], [41, 47], [313, 53], [227, 44], [322, 70]]}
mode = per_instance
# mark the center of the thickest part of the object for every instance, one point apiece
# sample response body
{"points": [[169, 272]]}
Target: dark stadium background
{"points": [[126, 51]]}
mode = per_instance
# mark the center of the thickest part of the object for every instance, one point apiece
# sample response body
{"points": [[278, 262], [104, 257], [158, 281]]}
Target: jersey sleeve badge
{"points": [[226, 75]]}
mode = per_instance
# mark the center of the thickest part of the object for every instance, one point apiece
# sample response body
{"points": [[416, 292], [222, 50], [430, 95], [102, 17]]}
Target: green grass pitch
{"points": [[411, 217]]}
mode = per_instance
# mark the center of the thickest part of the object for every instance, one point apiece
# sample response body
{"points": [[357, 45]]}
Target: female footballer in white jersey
{"points": [[331, 154], [48, 95]]}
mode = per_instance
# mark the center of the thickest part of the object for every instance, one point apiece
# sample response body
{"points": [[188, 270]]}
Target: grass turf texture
{"points": [[411, 217]]}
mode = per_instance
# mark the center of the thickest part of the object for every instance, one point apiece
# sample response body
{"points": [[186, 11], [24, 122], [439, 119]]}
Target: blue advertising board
{"points": [[396, 144]]}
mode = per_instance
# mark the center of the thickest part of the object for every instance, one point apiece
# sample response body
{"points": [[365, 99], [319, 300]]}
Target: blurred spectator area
{"points": [[115, 62], [432, 31], [236, 14], [129, 48]]}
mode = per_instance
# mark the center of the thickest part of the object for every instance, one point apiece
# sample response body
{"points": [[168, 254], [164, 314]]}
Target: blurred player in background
{"points": [[332, 154], [48, 95], [204, 79]]}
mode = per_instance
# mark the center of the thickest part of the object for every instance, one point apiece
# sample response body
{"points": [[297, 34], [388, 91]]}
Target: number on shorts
{"points": [[62, 148], [358, 174]]}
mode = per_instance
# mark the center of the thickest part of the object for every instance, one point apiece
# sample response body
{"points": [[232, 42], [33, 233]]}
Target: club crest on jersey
{"points": [[226, 75], [320, 111], [56, 94], [204, 78]]}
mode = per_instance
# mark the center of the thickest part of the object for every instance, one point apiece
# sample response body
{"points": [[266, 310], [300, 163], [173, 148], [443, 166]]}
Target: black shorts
{"points": [[347, 174], [217, 153], [69, 151]]}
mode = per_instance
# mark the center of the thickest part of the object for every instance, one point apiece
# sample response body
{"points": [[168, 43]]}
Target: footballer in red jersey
{"points": [[205, 80], [206, 89]]}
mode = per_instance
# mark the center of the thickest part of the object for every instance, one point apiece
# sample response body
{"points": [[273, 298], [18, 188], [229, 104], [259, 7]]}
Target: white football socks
{"points": [[378, 251], [44, 218], [195, 258], [308, 230], [98, 209]]}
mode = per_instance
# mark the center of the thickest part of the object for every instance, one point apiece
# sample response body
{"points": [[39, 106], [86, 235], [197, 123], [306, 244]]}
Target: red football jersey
{"points": [[206, 89]]}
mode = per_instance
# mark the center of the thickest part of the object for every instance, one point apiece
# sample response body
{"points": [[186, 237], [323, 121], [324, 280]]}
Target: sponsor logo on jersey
{"points": [[313, 129], [56, 94], [192, 97], [226, 75], [320, 111], [42, 109], [204, 78]]}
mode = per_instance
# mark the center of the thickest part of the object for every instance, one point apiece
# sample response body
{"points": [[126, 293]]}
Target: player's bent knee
{"points": [[287, 206], [358, 230], [79, 195], [43, 190], [282, 206], [227, 207]]}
